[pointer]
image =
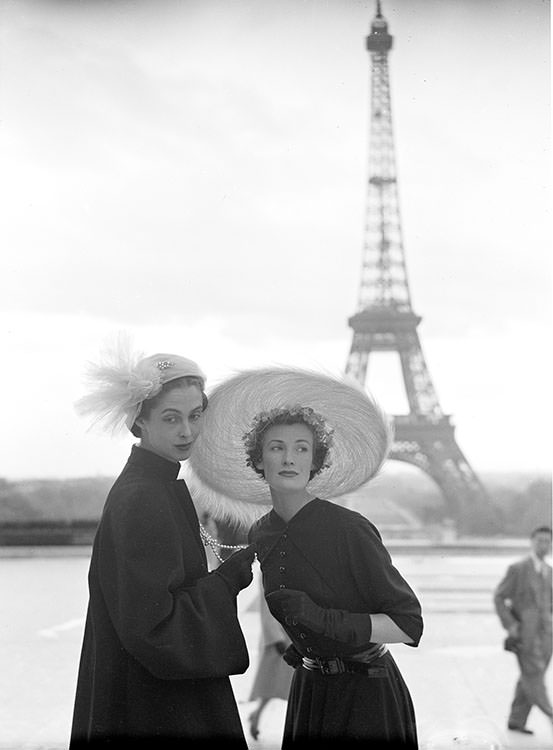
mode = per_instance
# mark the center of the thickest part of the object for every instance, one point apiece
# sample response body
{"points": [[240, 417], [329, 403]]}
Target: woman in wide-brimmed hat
{"points": [[294, 439], [162, 634]]}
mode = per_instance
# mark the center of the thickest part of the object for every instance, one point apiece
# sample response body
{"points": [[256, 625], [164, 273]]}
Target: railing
{"points": [[47, 533]]}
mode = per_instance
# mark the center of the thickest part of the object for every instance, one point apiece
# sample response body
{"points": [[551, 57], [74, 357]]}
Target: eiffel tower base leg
{"points": [[435, 451]]}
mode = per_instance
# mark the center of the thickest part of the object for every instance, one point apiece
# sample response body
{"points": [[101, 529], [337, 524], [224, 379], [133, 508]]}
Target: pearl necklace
{"points": [[210, 541]]}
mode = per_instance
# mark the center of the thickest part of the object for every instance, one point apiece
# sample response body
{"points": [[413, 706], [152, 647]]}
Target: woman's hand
{"points": [[353, 628], [236, 570], [296, 606]]}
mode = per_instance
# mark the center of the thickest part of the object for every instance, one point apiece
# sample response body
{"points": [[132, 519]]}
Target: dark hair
{"points": [[254, 441], [541, 530], [172, 385]]}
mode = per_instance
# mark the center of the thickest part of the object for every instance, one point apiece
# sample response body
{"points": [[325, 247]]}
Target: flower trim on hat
{"points": [[140, 389], [293, 415]]}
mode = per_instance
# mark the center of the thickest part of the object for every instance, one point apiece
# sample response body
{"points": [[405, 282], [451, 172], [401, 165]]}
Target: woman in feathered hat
{"points": [[162, 634], [327, 576]]}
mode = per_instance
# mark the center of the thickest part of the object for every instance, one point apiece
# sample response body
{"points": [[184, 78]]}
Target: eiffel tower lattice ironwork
{"points": [[385, 320]]}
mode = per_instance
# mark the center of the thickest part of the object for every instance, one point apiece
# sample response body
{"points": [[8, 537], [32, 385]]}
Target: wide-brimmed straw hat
{"points": [[228, 488]]}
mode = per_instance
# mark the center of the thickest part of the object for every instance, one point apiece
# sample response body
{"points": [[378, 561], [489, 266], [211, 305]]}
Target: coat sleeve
{"points": [[380, 583], [504, 595], [175, 626]]}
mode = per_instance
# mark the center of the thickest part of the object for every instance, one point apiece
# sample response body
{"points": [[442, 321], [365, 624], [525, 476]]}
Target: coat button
{"points": [[282, 553], [282, 586], [303, 635], [309, 650], [282, 569]]}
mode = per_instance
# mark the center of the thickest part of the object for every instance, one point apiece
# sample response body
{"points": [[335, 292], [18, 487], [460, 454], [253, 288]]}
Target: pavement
{"points": [[460, 679]]}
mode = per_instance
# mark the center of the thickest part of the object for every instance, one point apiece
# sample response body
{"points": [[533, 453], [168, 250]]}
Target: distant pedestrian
{"points": [[523, 603], [273, 676], [162, 634]]}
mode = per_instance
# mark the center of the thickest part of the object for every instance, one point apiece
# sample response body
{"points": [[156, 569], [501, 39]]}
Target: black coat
{"points": [[337, 557], [162, 634]]}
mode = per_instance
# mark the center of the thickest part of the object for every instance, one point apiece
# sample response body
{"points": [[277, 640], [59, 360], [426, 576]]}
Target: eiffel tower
{"points": [[385, 321]]}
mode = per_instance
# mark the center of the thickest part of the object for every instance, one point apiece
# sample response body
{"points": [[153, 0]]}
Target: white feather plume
{"points": [[115, 389], [237, 513]]}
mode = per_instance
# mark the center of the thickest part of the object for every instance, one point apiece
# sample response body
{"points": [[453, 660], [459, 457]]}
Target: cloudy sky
{"points": [[193, 172]]}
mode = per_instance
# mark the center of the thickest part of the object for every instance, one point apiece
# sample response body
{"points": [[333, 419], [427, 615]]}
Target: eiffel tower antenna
{"points": [[385, 320]]}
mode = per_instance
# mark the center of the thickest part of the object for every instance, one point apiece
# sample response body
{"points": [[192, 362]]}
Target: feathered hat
{"points": [[123, 380], [217, 470]]}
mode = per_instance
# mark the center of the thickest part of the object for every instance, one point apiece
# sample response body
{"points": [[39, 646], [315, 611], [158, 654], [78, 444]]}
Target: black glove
{"points": [[292, 656], [280, 647], [297, 607], [236, 571], [512, 644]]}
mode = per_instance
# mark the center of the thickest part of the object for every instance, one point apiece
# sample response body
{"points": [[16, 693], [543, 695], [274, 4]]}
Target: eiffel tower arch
{"points": [[386, 322]]}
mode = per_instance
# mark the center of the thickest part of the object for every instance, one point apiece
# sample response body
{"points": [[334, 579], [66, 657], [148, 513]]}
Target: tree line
{"points": [[516, 504]]}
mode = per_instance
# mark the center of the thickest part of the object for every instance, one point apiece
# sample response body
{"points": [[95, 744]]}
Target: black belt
{"points": [[337, 665]]}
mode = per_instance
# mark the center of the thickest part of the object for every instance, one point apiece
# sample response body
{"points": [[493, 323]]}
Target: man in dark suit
{"points": [[523, 602]]}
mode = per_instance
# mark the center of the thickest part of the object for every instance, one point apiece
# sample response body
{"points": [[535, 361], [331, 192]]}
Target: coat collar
{"points": [[150, 464], [270, 528]]}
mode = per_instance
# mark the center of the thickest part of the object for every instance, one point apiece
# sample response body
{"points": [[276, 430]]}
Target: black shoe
{"points": [[523, 730]]}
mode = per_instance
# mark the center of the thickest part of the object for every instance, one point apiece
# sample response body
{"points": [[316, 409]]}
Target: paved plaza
{"points": [[460, 679]]}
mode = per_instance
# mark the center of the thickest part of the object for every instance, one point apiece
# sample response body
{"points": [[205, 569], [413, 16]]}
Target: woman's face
{"points": [[173, 424], [287, 458]]}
